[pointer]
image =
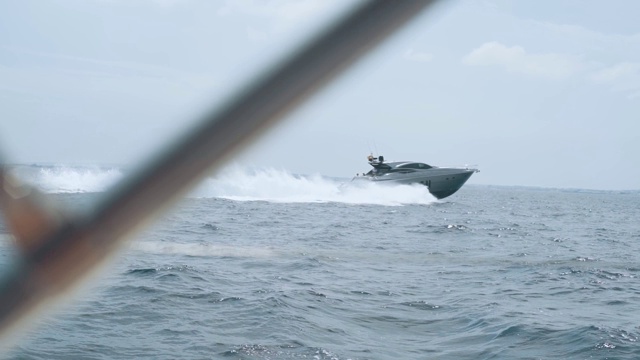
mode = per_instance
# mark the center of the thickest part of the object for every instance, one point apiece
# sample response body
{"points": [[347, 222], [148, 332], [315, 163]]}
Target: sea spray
{"points": [[59, 179], [237, 183], [281, 186]]}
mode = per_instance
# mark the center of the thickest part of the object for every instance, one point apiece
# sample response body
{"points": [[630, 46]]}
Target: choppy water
{"points": [[266, 265]]}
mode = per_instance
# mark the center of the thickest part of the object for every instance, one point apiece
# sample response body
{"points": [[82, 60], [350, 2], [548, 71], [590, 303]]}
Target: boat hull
{"points": [[442, 182]]}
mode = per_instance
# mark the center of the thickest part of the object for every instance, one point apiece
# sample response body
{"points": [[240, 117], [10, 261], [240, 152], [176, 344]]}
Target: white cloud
{"points": [[516, 59], [417, 56], [580, 33], [280, 15], [634, 95], [623, 77], [161, 3], [67, 75], [168, 3], [624, 70], [278, 9]]}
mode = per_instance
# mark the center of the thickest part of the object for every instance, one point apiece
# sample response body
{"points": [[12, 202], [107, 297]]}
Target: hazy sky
{"points": [[539, 93]]}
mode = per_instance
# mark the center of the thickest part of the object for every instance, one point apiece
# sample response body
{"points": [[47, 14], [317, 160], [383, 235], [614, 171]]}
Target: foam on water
{"points": [[236, 183], [201, 250], [59, 179]]}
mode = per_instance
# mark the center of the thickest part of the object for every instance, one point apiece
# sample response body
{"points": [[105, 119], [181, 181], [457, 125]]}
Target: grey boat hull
{"points": [[442, 182]]}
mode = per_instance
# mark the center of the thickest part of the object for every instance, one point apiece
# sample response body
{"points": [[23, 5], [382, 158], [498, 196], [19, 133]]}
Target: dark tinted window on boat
{"points": [[415, 166]]}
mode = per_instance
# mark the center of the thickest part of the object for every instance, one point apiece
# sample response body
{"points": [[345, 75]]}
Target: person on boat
{"points": [[370, 157]]}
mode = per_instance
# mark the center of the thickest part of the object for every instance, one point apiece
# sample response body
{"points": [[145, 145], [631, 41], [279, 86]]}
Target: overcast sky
{"points": [[536, 93]]}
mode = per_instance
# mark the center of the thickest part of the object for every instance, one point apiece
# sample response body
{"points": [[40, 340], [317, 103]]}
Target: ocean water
{"points": [[263, 264]]}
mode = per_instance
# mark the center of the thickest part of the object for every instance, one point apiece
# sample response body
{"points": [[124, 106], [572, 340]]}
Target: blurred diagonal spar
{"points": [[56, 250]]}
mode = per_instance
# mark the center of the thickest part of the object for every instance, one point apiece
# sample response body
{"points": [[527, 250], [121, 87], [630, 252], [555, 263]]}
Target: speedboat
{"points": [[441, 181]]}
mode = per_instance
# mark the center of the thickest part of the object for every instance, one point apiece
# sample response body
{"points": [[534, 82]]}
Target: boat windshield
{"points": [[415, 166]]}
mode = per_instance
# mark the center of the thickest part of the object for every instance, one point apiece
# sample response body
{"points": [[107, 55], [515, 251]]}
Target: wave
{"points": [[236, 183]]}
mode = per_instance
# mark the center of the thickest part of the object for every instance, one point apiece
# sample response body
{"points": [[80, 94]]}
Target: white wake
{"points": [[274, 185], [238, 183]]}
